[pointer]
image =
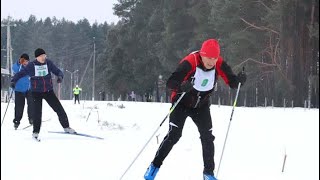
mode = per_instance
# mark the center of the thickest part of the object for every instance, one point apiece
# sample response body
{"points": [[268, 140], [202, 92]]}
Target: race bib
{"points": [[204, 80], [41, 70]]}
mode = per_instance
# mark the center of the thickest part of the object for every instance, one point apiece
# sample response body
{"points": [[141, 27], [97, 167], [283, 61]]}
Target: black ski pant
{"points": [[76, 98], [19, 102], [54, 103], [202, 118]]}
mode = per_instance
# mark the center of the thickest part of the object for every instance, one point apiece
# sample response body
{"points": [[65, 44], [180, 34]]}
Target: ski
{"points": [[77, 134], [37, 139], [26, 127]]}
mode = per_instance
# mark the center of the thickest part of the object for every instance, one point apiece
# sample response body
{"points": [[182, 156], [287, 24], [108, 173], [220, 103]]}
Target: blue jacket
{"points": [[23, 84], [40, 75]]}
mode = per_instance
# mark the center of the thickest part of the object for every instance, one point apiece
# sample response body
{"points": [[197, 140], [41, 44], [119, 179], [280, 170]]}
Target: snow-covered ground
{"points": [[258, 141]]}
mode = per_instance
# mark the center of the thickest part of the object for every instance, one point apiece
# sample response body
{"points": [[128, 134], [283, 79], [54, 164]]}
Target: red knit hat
{"points": [[210, 48]]}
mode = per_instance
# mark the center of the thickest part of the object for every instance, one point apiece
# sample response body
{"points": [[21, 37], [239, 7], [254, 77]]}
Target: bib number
{"points": [[41, 70]]}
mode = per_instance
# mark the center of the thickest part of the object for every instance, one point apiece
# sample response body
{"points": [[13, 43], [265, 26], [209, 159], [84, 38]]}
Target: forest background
{"points": [[277, 41]]}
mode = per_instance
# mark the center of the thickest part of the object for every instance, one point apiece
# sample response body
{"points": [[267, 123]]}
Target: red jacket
{"points": [[191, 67]]}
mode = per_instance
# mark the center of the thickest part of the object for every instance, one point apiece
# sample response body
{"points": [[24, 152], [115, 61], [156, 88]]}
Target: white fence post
{"points": [[305, 104], [265, 101]]}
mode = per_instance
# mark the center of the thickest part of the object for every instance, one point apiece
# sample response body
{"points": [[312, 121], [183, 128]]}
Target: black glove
{"points": [[59, 80], [12, 85], [242, 77], [186, 86]]}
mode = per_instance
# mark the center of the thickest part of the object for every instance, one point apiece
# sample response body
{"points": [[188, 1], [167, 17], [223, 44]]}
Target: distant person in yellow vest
{"points": [[76, 92]]}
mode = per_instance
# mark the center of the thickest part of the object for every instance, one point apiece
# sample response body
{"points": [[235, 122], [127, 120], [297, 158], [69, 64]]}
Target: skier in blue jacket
{"points": [[22, 92], [40, 71]]}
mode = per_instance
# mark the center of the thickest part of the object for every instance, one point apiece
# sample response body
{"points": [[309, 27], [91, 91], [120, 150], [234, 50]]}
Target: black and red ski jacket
{"points": [[186, 71]]}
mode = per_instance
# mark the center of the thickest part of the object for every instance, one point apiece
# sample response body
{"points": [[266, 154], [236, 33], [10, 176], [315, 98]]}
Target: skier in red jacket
{"points": [[196, 75]]}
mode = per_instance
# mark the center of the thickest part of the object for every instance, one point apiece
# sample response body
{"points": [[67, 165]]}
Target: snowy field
{"points": [[258, 141]]}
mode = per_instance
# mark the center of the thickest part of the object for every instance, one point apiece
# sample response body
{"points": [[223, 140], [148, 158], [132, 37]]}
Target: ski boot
{"points": [[151, 172], [35, 136], [209, 177], [16, 124], [69, 130]]}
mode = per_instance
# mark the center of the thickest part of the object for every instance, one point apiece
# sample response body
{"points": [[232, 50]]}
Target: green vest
{"points": [[76, 91]]}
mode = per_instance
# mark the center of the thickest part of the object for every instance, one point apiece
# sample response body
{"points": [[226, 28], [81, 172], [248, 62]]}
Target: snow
{"points": [[258, 140]]}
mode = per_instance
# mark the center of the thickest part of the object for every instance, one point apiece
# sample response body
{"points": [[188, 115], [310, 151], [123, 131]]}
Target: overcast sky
{"points": [[72, 10]]}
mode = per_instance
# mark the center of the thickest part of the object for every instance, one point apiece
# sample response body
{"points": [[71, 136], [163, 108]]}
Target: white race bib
{"points": [[41, 70], [204, 80]]}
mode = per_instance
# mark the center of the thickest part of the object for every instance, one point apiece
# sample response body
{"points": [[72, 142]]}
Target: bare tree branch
{"points": [[262, 28], [275, 52], [256, 61], [269, 9]]}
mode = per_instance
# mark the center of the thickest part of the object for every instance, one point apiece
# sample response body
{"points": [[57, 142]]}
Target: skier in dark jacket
{"points": [[40, 71], [196, 75], [22, 92]]}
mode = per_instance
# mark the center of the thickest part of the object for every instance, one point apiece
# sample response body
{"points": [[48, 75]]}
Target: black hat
{"points": [[39, 52], [25, 56]]}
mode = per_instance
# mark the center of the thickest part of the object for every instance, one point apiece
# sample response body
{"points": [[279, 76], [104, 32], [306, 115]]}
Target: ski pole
{"points": [[171, 109], [225, 140], [7, 107]]}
